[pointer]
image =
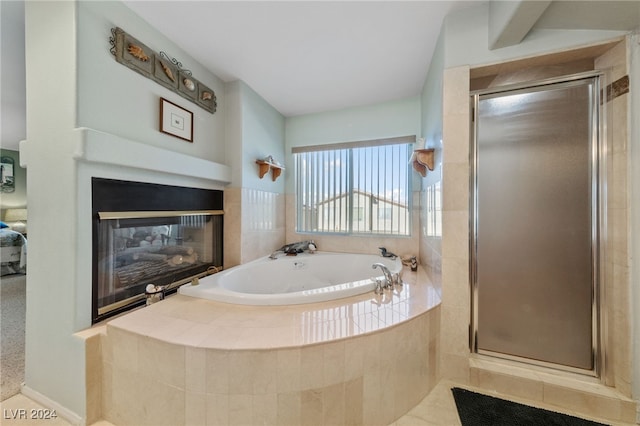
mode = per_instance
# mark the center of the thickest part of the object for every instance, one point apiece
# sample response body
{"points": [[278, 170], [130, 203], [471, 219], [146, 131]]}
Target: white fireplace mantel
{"points": [[104, 148]]}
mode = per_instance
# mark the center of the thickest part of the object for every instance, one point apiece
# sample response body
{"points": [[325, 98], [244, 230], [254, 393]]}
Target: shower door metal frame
{"points": [[598, 175]]}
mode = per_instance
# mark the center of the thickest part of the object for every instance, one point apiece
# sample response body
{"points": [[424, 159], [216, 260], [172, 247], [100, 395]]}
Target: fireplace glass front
{"points": [[164, 248]]}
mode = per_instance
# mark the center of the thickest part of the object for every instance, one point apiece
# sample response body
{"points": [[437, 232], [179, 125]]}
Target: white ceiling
{"points": [[308, 56], [301, 56]]}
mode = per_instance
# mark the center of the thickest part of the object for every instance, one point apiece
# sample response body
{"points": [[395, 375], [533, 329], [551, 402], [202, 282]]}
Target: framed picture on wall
{"points": [[175, 120]]}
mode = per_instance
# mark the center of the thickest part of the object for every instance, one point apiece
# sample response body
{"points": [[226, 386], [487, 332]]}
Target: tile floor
{"points": [[437, 409]]}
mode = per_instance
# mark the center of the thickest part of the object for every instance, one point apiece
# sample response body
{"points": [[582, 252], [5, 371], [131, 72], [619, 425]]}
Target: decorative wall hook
{"points": [[175, 62], [423, 160]]}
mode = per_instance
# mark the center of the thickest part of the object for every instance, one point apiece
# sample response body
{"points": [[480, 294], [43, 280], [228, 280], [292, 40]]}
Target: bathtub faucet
{"points": [[388, 279]]}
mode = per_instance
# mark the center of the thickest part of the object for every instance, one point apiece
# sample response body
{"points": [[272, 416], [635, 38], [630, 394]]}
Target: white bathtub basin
{"points": [[291, 280]]}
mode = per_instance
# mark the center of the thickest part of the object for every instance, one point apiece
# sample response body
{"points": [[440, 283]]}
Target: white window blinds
{"points": [[354, 188]]}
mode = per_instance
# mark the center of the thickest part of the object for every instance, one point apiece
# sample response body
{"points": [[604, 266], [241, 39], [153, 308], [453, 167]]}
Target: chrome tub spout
{"points": [[388, 278]]}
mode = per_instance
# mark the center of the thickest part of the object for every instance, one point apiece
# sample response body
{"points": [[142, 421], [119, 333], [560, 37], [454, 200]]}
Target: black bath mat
{"points": [[476, 409]]}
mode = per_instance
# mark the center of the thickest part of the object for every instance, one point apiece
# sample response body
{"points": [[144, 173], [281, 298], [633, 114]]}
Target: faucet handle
{"points": [[396, 278], [379, 286]]}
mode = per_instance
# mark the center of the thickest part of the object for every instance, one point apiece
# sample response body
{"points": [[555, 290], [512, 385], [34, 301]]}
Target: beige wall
{"points": [[455, 226], [617, 292]]}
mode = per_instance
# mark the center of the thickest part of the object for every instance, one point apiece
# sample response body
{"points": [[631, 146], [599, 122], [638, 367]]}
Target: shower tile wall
{"points": [[455, 226], [455, 351], [618, 294]]}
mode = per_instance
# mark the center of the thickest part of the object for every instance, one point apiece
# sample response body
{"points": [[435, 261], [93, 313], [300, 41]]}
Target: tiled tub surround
{"points": [[365, 359], [254, 224]]}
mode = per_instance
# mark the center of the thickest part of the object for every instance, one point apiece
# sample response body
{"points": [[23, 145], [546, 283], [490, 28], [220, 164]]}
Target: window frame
{"points": [[348, 209]]}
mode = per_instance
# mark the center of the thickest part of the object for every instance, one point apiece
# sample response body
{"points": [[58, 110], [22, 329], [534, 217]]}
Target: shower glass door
{"points": [[535, 224]]}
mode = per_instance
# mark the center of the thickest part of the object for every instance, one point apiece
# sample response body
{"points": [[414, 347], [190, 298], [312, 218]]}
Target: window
{"points": [[433, 202], [354, 188]]}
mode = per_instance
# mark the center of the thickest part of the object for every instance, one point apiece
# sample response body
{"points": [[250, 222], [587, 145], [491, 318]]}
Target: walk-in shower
{"points": [[536, 208]]}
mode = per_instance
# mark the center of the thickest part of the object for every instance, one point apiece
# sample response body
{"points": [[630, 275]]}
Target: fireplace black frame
{"points": [[111, 195]]}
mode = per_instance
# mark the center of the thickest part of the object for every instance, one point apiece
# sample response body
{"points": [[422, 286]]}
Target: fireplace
{"points": [[147, 233]]}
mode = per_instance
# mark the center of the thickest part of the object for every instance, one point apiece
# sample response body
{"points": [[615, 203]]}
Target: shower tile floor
{"points": [[437, 409]]}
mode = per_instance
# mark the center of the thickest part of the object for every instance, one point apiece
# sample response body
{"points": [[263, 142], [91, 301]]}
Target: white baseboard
{"points": [[46, 402]]}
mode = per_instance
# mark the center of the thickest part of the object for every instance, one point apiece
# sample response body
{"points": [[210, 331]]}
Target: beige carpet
{"points": [[12, 319]]}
